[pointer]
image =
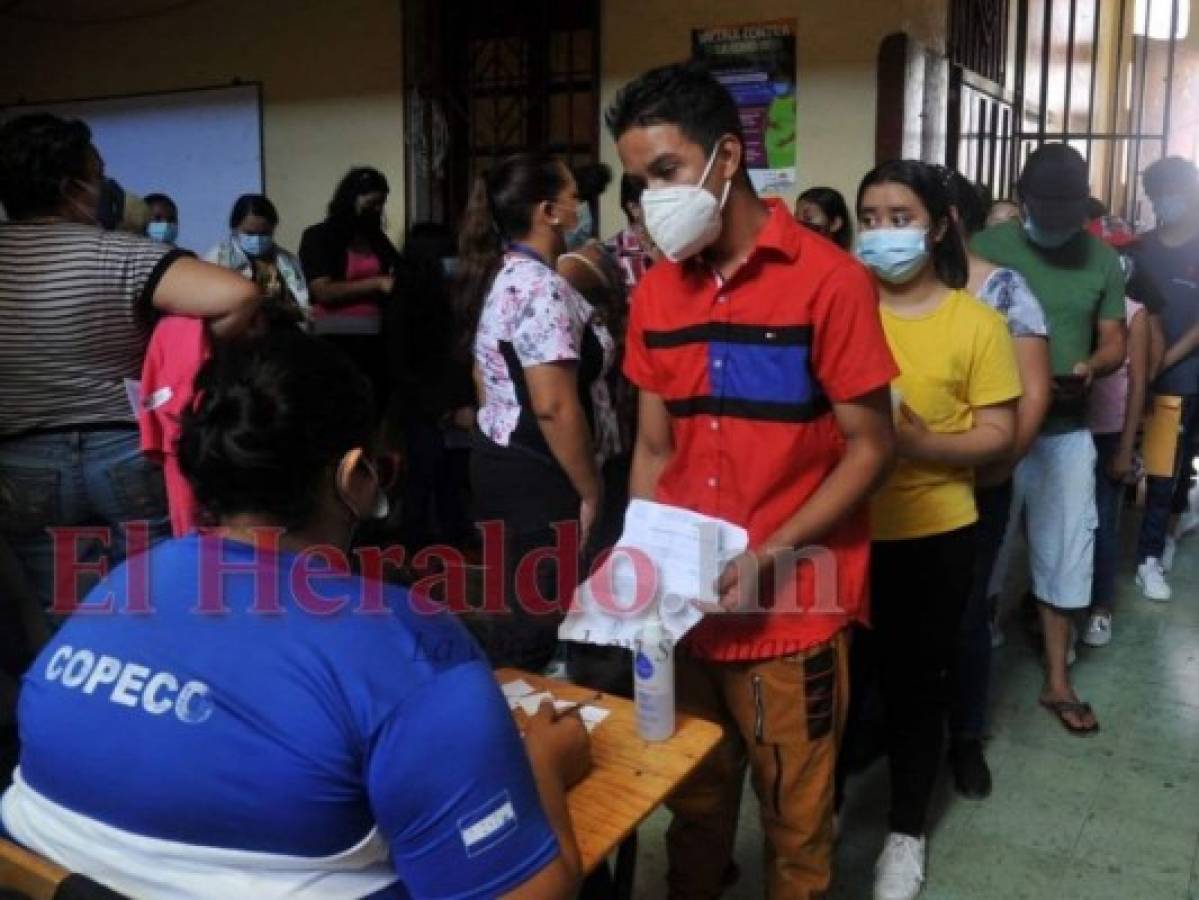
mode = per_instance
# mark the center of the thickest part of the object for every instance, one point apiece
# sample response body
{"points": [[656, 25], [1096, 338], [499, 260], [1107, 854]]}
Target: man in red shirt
{"points": [[764, 378]]}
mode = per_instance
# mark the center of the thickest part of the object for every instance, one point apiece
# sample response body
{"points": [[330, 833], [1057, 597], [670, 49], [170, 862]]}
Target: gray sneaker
{"points": [[1099, 630]]}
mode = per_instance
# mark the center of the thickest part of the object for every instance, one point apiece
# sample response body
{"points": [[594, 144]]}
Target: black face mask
{"points": [[369, 220]]}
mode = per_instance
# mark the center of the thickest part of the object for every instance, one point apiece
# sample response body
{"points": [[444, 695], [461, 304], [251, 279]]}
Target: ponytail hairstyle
{"points": [[923, 180], [499, 211], [967, 198]]}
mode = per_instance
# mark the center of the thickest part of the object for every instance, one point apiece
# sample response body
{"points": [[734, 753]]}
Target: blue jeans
{"points": [[1166, 496], [972, 665], [93, 477], [1109, 497]]}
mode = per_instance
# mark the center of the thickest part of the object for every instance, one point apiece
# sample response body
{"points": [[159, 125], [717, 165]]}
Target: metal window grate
{"points": [[1077, 71], [978, 31], [504, 78]]}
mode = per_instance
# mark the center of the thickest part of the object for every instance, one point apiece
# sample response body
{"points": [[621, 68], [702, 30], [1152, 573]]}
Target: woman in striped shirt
{"points": [[76, 307]]}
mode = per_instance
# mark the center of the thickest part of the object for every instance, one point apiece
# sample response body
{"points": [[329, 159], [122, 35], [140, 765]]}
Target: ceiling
{"points": [[80, 12]]}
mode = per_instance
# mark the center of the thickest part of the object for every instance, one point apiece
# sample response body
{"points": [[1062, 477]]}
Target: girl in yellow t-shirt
{"points": [[955, 410]]}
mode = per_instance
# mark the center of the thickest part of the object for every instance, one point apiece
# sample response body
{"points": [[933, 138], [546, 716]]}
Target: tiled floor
{"points": [[1113, 816]]}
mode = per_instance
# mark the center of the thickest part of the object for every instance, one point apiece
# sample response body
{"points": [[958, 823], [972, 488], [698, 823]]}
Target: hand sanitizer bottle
{"points": [[653, 681]]}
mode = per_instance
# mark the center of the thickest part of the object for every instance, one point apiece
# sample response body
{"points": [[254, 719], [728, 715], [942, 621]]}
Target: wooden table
{"points": [[630, 777]]}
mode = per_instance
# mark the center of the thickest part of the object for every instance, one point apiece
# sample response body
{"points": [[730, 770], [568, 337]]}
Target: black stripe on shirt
{"points": [[756, 410], [731, 333]]}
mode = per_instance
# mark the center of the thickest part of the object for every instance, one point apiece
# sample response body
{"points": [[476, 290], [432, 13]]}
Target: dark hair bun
{"points": [[271, 417], [38, 152]]}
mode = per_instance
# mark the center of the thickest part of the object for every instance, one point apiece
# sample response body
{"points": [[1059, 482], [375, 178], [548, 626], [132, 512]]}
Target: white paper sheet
{"points": [[517, 688], [530, 702], [133, 394], [593, 716], [683, 551]]}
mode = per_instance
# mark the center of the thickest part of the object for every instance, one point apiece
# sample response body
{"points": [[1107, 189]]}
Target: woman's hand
{"points": [[1119, 467], [911, 433], [1084, 371], [464, 418], [561, 741]]}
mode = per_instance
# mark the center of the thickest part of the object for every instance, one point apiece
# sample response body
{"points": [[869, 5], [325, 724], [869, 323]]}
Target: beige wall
{"points": [[331, 72], [837, 45]]}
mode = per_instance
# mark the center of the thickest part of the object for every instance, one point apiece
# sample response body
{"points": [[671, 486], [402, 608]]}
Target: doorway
{"points": [[487, 79]]}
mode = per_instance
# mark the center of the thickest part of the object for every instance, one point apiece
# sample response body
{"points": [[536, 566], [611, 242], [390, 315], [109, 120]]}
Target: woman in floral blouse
{"points": [[545, 420]]}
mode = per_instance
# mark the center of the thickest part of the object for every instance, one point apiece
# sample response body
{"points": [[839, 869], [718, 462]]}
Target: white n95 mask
{"points": [[684, 219]]}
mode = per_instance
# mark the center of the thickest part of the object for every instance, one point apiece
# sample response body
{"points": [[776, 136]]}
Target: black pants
{"points": [[607, 669], [972, 672], [529, 495], [919, 591]]}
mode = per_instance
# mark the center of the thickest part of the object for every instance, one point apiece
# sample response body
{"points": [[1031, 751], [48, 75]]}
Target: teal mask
{"points": [[255, 245], [581, 233], [895, 255], [1170, 210], [163, 232]]}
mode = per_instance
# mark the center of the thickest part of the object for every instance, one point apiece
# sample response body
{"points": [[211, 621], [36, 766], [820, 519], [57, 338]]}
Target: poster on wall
{"points": [[756, 62]]}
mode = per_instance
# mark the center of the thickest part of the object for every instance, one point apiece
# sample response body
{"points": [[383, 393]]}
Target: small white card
{"points": [[517, 688], [530, 703], [133, 393]]}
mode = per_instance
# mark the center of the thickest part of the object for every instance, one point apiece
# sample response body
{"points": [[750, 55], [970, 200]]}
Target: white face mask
{"points": [[684, 219], [381, 508]]}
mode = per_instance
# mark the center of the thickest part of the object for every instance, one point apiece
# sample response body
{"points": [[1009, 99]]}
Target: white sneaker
{"points": [[1099, 630], [1152, 581], [899, 872], [1168, 553]]}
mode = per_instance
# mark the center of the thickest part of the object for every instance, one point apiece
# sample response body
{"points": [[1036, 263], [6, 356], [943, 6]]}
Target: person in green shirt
{"points": [[1080, 284]]}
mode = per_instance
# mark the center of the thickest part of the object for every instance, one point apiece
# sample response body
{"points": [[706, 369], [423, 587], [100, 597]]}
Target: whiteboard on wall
{"points": [[202, 147]]}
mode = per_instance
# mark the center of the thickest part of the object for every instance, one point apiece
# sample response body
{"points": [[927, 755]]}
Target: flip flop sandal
{"points": [[1060, 708]]}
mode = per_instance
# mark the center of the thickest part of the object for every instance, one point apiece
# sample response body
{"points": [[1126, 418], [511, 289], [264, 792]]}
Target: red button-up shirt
{"points": [[748, 369]]}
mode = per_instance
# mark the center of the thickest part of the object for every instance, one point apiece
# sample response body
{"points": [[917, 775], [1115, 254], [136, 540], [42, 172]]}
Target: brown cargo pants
{"points": [[785, 717]]}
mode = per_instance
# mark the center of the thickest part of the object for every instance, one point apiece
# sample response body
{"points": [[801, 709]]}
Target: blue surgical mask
{"points": [[1170, 210], [164, 232], [581, 233], [1049, 238], [896, 255], [255, 245]]}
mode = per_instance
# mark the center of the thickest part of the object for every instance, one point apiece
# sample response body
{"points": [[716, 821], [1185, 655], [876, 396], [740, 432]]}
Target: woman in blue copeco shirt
{"points": [[273, 725]]}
